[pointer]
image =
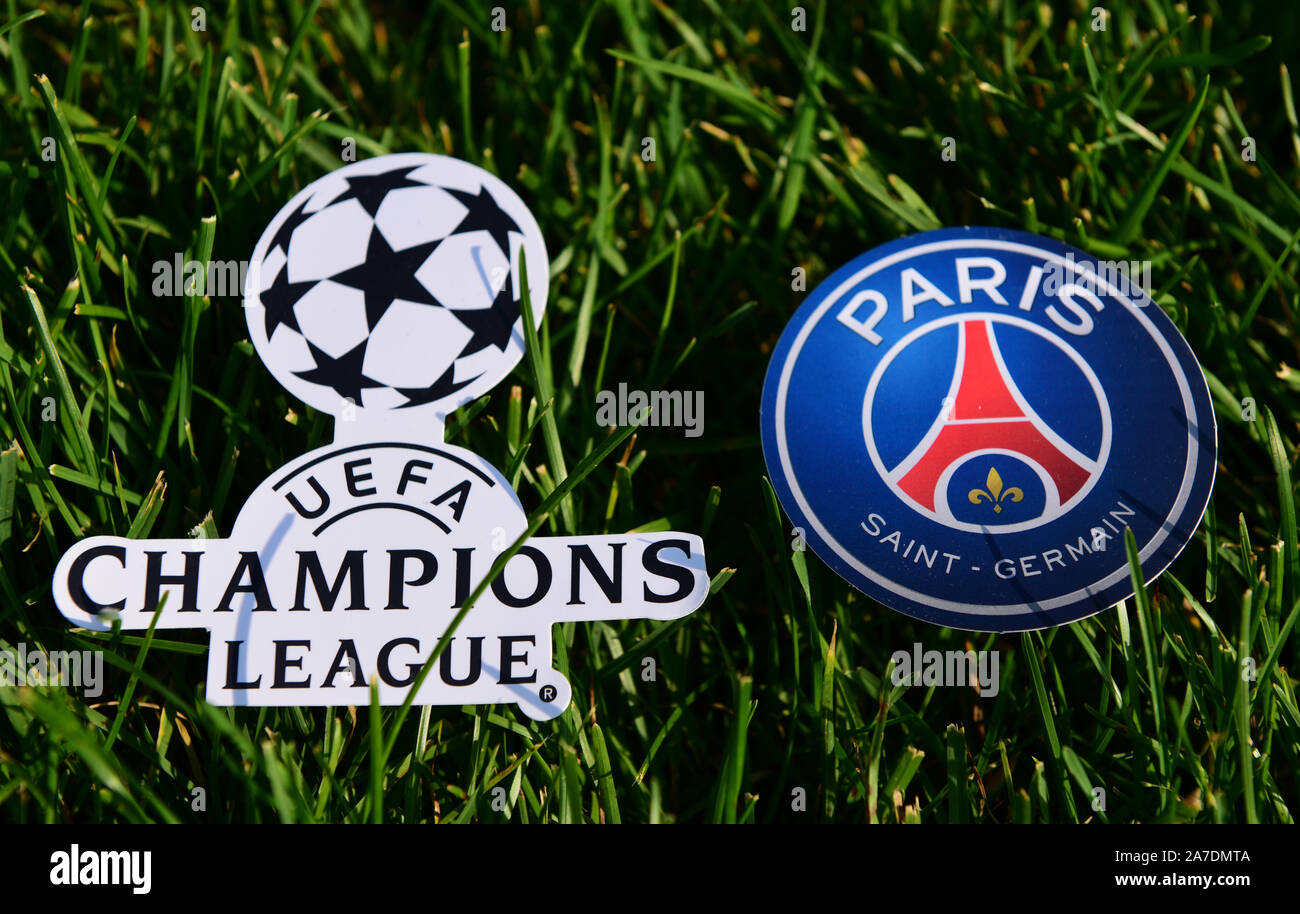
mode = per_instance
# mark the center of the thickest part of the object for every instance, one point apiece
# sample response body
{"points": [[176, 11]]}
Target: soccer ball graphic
{"points": [[394, 283]]}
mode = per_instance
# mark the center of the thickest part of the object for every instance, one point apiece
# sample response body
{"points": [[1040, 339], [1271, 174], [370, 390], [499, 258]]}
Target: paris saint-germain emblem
{"points": [[963, 422]]}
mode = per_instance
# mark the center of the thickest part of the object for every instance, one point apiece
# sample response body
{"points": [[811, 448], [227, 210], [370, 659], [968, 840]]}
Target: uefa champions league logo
{"points": [[386, 293]]}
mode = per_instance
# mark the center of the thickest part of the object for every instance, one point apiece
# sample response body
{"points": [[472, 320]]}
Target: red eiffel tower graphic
{"points": [[985, 415]]}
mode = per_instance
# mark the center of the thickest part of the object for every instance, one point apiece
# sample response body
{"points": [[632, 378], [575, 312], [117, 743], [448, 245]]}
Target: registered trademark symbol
{"points": [[547, 693]]}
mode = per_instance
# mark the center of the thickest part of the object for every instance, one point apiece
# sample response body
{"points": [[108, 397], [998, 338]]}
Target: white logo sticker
{"points": [[386, 293]]}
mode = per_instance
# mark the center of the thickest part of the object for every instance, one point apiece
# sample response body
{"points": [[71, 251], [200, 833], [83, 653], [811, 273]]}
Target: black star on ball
{"points": [[278, 301], [344, 374], [370, 190], [418, 396], [486, 216], [387, 275], [288, 227], [491, 326]]}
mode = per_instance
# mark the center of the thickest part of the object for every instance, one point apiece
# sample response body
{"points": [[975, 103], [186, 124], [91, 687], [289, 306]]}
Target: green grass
{"points": [[775, 149]]}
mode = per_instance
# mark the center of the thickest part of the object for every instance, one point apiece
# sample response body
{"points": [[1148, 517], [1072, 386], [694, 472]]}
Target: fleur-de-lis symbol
{"points": [[995, 494]]}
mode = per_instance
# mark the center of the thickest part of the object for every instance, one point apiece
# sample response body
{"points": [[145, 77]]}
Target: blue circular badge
{"points": [[964, 421]]}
